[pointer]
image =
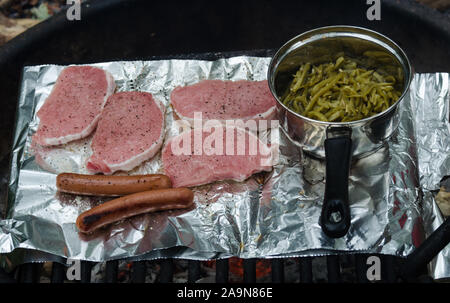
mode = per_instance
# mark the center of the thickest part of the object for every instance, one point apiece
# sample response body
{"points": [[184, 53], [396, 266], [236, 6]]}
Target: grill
{"points": [[61, 42], [340, 268], [30, 272]]}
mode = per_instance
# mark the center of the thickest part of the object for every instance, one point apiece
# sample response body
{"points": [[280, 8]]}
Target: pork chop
{"points": [[224, 100], [72, 109], [129, 132], [201, 156]]}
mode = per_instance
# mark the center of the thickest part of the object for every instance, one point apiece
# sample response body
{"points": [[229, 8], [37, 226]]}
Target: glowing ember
{"points": [[236, 267]]}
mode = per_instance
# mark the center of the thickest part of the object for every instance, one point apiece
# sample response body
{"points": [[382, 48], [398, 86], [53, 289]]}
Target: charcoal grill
{"points": [[29, 273], [130, 30], [393, 269]]}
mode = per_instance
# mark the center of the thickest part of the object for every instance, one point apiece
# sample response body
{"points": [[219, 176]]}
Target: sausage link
{"points": [[101, 185], [134, 204]]}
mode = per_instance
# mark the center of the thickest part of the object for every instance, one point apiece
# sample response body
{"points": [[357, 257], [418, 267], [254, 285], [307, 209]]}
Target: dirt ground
{"points": [[16, 16]]}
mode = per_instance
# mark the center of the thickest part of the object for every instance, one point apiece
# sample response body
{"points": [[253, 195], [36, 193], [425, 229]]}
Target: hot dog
{"points": [[100, 185], [134, 204]]}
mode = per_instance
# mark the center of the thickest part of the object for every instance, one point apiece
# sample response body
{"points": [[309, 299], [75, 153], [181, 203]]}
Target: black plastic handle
{"points": [[335, 217]]}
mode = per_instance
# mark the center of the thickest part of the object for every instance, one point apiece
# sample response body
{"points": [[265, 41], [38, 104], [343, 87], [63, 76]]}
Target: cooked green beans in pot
{"points": [[340, 92]]}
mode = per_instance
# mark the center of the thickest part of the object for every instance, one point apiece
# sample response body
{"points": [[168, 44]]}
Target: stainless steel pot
{"points": [[338, 142]]}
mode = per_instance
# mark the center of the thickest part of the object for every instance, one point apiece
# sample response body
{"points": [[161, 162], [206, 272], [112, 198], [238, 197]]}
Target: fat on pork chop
{"points": [[205, 155], [72, 109], [224, 100], [129, 132]]}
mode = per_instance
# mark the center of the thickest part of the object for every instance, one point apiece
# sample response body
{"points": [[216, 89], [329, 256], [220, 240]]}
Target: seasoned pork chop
{"points": [[224, 100], [130, 131], [201, 156], [72, 109]]}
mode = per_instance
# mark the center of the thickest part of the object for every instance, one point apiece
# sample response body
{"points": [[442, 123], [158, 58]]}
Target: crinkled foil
{"points": [[272, 214]]}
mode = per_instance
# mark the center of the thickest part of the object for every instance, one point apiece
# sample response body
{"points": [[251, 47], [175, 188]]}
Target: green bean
{"points": [[318, 115], [300, 77], [339, 61], [327, 87], [341, 91], [335, 115]]}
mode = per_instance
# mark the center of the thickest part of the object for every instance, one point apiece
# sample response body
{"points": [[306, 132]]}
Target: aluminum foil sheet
{"points": [[272, 214]]}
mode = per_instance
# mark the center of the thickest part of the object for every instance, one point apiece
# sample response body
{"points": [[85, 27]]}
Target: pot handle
{"points": [[335, 217]]}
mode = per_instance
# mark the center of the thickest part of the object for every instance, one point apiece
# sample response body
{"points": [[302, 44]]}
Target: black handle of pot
{"points": [[335, 216]]}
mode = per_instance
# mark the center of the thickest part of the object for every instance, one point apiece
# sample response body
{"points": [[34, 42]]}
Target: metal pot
{"points": [[338, 142]]}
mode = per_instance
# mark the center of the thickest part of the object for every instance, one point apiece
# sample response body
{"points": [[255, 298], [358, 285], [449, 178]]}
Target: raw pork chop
{"points": [[201, 156], [130, 131], [225, 100], [72, 109]]}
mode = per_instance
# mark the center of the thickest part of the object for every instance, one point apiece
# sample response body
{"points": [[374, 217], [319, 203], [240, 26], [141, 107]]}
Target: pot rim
{"points": [[316, 34]]}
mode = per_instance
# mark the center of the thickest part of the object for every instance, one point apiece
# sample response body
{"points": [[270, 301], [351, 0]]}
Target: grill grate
{"points": [[355, 267], [339, 268]]}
